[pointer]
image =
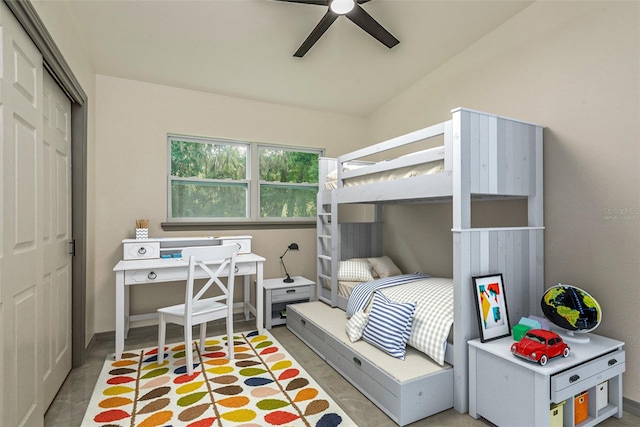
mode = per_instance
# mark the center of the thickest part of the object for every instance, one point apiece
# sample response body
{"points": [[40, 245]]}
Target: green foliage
{"points": [[279, 165], [287, 202], [191, 199], [208, 161]]}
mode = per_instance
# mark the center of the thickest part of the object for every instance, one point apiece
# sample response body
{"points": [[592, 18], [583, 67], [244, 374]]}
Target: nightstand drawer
{"points": [[289, 294], [590, 374]]}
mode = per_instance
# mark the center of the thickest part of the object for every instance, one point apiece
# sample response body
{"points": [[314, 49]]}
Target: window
{"points": [[220, 180]]}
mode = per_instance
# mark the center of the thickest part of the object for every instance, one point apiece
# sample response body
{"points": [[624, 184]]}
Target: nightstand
{"points": [[279, 294], [508, 391]]}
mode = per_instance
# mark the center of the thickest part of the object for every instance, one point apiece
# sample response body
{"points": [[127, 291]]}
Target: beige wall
{"points": [[574, 68], [133, 119]]}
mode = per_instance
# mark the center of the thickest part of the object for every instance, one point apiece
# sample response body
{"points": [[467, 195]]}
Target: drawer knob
{"points": [[142, 250], [574, 378], [357, 361], [236, 269], [291, 291], [304, 322], [152, 275], [612, 362]]}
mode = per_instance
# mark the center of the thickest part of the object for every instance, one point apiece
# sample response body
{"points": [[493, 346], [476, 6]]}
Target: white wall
{"points": [[133, 119], [574, 68]]}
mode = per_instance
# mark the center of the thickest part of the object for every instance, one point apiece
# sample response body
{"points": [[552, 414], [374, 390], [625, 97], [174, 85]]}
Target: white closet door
{"points": [[34, 219], [56, 235]]}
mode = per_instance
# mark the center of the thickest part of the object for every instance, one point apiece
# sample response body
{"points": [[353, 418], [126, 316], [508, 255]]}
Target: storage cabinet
{"points": [[279, 294], [527, 391]]}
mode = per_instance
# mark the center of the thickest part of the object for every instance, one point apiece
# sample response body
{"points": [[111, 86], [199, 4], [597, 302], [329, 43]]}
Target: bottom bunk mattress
{"points": [[406, 390]]}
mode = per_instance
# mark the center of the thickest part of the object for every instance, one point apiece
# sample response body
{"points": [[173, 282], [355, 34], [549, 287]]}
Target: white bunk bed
{"points": [[484, 156]]}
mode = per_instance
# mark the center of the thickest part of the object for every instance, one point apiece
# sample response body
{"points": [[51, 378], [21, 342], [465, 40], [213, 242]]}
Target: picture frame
{"points": [[491, 307]]}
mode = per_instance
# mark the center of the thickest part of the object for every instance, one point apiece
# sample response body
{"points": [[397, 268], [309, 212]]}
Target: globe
{"points": [[572, 309]]}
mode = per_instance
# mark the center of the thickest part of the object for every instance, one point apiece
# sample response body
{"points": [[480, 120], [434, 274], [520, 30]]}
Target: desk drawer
{"points": [[141, 250], [589, 374], [171, 274], [244, 244], [291, 294]]}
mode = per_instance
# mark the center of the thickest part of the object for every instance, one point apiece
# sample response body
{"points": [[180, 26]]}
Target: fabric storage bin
{"points": [[581, 407], [556, 414], [602, 395]]}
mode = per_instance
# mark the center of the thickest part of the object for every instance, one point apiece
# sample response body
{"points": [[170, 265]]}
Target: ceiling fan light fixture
{"points": [[342, 7]]}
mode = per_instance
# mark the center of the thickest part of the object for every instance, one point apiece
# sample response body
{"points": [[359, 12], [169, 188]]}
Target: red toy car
{"points": [[540, 345]]}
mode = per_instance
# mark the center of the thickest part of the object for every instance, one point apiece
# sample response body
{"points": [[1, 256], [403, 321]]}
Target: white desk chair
{"points": [[197, 310]]}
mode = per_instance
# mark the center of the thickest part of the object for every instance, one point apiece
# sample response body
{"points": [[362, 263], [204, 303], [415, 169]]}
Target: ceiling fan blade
{"points": [[317, 32], [365, 21], [318, 2]]}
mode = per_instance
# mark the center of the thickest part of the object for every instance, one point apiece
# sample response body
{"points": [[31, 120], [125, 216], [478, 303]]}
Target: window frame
{"points": [[253, 187]]}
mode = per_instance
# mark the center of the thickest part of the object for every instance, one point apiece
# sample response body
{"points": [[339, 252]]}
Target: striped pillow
{"points": [[389, 325], [354, 271], [355, 326]]}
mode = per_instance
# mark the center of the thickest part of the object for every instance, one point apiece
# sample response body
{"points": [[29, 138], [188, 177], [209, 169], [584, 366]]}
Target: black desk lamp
{"points": [[291, 247]]}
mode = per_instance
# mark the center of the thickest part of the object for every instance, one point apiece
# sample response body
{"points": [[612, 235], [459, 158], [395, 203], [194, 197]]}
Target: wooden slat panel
{"points": [[516, 254]]}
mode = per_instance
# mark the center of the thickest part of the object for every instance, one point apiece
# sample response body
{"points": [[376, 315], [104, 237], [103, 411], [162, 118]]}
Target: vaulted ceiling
{"points": [[244, 48]]}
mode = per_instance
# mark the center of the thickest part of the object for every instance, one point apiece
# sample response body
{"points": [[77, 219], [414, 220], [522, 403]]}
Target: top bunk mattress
{"points": [[400, 173]]}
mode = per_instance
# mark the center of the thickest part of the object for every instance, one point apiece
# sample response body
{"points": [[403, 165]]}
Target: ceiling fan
{"points": [[352, 10]]}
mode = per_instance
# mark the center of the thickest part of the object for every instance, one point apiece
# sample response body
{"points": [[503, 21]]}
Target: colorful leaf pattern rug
{"points": [[262, 386]]}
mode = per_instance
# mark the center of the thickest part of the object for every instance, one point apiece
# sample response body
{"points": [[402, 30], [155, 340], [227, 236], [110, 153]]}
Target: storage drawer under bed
{"points": [[404, 402], [419, 395], [313, 336]]}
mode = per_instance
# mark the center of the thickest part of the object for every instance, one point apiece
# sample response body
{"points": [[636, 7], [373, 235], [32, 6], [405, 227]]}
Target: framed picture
{"points": [[491, 305]]}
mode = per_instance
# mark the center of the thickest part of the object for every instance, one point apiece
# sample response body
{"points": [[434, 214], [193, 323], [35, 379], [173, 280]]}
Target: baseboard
{"points": [[631, 406]]}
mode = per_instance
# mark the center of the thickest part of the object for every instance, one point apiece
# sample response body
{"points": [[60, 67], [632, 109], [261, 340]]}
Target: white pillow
{"points": [[355, 326], [354, 271], [384, 266]]}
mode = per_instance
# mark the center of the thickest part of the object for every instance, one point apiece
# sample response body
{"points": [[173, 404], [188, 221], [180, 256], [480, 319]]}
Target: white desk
{"points": [[146, 271]]}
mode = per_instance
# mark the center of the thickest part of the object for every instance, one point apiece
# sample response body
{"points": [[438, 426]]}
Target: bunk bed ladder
{"points": [[327, 261]]}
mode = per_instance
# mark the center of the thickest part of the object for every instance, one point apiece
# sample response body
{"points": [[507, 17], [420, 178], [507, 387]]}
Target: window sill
{"points": [[247, 225]]}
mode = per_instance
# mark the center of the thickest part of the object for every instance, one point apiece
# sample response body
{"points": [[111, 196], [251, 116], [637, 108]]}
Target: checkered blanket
{"points": [[433, 317]]}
